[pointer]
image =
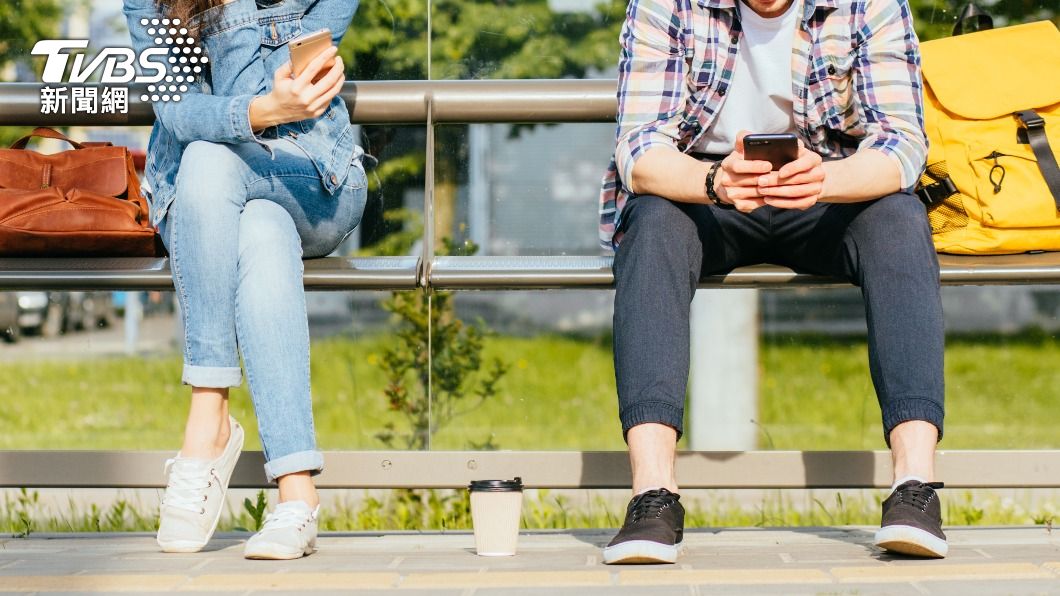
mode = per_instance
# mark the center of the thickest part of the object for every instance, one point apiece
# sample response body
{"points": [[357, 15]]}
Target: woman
{"points": [[252, 169]]}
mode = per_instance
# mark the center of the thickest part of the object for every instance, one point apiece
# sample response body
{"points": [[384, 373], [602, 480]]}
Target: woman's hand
{"points": [[299, 98]]}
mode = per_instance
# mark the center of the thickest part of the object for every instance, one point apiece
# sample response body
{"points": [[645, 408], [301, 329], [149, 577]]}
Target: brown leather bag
{"points": [[77, 203]]}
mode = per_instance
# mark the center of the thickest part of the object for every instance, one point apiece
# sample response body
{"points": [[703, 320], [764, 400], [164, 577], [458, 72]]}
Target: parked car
{"points": [[85, 310], [9, 327], [39, 314]]}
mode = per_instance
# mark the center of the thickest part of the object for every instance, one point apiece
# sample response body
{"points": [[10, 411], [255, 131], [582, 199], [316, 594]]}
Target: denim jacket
{"points": [[245, 45]]}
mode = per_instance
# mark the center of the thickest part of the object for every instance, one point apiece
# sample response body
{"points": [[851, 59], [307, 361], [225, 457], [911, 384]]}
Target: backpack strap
{"points": [[1035, 127]]}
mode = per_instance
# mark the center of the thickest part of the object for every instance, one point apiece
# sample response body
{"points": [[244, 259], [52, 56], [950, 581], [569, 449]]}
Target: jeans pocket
{"points": [[356, 177]]}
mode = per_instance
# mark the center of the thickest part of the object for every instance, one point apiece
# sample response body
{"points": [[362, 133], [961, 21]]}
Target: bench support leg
{"points": [[723, 384]]}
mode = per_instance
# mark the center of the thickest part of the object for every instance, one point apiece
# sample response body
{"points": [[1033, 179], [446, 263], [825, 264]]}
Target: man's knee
{"points": [[893, 237], [658, 225]]}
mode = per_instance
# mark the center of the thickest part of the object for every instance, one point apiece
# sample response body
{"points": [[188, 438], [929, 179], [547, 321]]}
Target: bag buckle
{"points": [[1030, 119], [933, 194]]}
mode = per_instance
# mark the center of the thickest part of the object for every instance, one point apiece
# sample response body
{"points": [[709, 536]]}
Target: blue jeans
{"points": [[236, 233], [882, 246]]}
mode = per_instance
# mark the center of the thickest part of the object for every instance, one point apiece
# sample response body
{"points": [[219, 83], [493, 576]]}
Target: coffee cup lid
{"points": [[496, 486]]}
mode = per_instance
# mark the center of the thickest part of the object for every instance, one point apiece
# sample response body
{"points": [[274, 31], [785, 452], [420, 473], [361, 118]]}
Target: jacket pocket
{"points": [[280, 29]]}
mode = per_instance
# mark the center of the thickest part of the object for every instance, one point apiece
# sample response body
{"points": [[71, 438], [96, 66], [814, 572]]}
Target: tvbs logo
{"points": [[174, 62], [118, 64]]}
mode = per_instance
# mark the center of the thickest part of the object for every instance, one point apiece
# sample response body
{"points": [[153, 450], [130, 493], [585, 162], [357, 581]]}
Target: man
{"points": [[680, 200]]}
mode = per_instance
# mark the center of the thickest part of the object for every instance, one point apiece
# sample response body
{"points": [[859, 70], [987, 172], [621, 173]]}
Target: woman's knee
{"points": [[267, 230], [210, 173]]}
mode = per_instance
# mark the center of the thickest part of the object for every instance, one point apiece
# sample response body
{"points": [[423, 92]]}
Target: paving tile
{"points": [[936, 572], [652, 577], [587, 591], [991, 588], [305, 582], [508, 579], [91, 583]]}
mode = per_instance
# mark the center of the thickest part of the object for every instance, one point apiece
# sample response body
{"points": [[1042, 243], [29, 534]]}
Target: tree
{"points": [[22, 24]]}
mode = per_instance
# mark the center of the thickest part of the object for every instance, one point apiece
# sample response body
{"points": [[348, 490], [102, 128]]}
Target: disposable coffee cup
{"points": [[495, 509]]}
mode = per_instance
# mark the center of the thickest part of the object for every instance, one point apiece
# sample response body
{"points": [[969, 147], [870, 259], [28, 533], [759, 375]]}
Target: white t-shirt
{"points": [[759, 99]]}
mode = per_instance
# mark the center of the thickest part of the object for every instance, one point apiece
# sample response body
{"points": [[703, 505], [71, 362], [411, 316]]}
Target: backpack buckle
{"points": [[1030, 119], [933, 194]]}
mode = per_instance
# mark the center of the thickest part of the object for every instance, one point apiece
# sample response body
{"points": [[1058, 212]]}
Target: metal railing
{"points": [[534, 101]]}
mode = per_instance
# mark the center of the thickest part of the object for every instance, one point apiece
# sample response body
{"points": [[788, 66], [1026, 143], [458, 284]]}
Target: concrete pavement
{"points": [[1020, 560]]}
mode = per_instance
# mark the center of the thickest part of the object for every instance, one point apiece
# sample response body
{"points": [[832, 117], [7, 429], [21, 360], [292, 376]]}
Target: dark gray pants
{"points": [[883, 246]]}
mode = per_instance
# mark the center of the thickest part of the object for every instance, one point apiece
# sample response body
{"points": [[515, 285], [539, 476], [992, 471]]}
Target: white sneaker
{"points": [[289, 532], [195, 496]]}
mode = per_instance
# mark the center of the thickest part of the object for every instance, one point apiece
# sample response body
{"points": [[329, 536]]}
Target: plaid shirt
{"points": [[855, 83]]}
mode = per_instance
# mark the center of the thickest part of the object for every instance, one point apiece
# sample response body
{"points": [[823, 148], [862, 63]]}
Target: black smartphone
{"points": [[777, 149]]}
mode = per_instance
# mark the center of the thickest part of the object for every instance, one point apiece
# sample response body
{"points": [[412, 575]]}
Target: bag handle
{"points": [[972, 19], [46, 133]]}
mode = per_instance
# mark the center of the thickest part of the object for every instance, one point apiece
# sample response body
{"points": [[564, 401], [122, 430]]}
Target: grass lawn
{"points": [[559, 394]]}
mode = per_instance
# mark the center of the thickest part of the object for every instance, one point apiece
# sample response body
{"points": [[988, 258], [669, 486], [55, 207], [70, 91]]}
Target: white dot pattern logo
{"points": [[183, 51]]}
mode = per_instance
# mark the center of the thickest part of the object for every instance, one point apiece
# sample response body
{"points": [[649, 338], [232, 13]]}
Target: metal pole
{"points": [[133, 315], [478, 210], [723, 387]]}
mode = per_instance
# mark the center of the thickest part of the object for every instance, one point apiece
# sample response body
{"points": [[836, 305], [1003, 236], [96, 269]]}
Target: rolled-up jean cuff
{"points": [[301, 461], [912, 408], [212, 376], [658, 412]]}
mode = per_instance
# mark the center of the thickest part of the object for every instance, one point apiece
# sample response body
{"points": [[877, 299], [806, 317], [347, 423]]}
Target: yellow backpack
{"points": [[992, 115]]}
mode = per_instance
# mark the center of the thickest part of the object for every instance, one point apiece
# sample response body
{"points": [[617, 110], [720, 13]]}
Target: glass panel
{"points": [[935, 18], [521, 190], [550, 355], [79, 390], [535, 39], [816, 393]]}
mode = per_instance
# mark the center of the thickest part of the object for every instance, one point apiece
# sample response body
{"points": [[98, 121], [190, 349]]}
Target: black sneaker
{"points": [[912, 521], [654, 526]]}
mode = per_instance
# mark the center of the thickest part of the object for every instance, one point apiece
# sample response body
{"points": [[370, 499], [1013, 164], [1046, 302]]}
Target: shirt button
{"points": [[734, 39], [721, 92], [334, 179], [831, 69]]}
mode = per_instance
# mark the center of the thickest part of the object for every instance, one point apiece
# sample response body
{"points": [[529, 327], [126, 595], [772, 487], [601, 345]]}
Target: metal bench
{"points": [[433, 102]]}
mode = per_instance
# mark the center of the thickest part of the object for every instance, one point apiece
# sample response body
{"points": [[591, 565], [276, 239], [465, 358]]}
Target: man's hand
{"points": [[738, 178], [299, 98], [797, 185]]}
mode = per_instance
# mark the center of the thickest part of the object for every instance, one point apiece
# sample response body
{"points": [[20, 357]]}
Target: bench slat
{"points": [[488, 273], [329, 273], [548, 272]]}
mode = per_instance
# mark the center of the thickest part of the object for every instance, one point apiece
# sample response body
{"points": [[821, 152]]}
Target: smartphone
{"points": [[777, 149], [305, 48]]}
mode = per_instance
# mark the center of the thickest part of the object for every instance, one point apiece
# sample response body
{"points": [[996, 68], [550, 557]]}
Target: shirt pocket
{"points": [[832, 99]]}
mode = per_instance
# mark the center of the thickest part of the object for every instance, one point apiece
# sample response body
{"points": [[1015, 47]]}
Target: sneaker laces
{"points": [[287, 517], [918, 494], [187, 481], [651, 504]]}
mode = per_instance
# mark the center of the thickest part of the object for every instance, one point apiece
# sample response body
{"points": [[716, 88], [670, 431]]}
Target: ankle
{"points": [[206, 440], [298, 487]]}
